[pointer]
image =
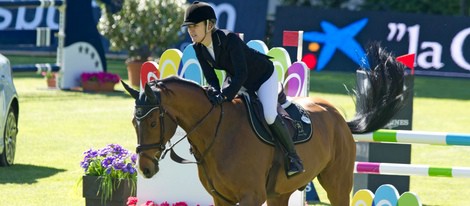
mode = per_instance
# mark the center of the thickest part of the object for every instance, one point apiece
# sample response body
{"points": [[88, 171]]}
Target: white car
{"points": [[9, 110]]}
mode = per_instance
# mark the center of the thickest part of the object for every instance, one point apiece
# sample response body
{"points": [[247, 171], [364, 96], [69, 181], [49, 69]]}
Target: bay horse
{"points": [[234, 166]]}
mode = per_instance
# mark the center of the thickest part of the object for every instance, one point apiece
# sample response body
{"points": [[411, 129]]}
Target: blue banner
{"points": [[19, 25], [337, 39], [247, 17]]}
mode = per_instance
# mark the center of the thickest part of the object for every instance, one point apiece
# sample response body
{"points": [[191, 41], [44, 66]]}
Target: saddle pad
{"points": [[298, 117]]}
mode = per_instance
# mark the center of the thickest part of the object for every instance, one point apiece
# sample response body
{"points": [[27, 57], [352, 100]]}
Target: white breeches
{"points": [[267, 94]]}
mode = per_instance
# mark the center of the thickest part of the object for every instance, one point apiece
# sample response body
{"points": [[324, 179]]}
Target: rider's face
{"points": [[197, 32]]}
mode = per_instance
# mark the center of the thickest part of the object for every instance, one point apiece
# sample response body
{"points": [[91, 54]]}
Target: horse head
{"points": [[154, 128]]}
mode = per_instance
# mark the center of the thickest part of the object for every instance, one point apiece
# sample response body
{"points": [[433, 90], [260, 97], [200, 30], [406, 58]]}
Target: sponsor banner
{"points": [[248, 18], [18, 26], [336, 40], [24, 18]]}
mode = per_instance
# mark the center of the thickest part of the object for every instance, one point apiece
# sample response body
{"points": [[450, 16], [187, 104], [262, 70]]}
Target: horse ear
{"points": [[134, 93], [150, 94]]}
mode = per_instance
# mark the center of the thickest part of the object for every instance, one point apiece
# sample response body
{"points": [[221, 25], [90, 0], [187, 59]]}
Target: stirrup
{"points": [[294, 167]]}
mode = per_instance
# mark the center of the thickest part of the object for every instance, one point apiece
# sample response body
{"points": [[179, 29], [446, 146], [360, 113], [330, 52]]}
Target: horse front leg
{"points": [[253, 199], [221, 202], [246, 201], [279, 200]]}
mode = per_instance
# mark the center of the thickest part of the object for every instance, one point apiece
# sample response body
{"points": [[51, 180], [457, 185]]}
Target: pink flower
{"points": [[150, 203], [165, 204], [101, 77], [131, 201]]}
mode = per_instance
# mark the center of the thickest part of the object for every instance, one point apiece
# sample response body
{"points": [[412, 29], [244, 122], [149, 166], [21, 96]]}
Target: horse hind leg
{"points": [[337, 187], [337, 177], [337, 180]]}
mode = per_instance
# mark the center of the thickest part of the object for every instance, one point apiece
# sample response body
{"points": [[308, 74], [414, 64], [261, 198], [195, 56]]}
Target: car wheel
{"points": [[9, 138]]}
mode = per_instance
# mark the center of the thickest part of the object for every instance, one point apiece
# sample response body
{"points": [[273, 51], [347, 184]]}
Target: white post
{"points": [[300, 45]]}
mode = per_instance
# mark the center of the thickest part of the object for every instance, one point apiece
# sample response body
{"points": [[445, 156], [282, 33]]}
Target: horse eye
{"points": [[153, 124]]}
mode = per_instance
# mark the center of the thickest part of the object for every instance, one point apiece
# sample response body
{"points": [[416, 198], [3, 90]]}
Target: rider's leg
{"points": [[267, 94]]}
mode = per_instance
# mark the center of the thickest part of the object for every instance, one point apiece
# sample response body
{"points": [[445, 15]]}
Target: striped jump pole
{"points": [[409, 169], [405, 136], [79, 46]]}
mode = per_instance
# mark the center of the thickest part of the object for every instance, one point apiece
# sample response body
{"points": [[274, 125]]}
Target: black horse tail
{"points": [[381, 94]]}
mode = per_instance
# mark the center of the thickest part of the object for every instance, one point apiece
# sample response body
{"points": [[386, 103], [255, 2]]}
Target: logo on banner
{"points": [[334, 40]]}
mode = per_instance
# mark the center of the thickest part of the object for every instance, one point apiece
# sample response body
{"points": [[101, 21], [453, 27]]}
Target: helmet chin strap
{"points": [[205, 31]]}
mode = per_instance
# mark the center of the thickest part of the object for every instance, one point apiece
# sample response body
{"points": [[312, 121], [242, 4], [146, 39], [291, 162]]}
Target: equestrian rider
{"points": [[224, 50]]}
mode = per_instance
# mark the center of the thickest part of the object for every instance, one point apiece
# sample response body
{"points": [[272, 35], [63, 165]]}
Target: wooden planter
{"points": [[92, 86], [91, 184], [51, 82], [107, 87], [133, 72]]}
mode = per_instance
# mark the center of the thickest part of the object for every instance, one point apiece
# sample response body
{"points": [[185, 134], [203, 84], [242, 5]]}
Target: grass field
{"points": [[56, 126]]}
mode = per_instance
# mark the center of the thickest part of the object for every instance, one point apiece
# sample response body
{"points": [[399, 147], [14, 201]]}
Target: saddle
{"points": [[294, 116]]}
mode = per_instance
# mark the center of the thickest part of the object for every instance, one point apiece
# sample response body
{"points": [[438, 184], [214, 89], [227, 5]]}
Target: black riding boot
{"points": [[279, 130]]}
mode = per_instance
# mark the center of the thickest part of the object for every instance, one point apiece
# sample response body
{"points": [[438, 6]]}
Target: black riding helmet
{"points": [[197, 12]]}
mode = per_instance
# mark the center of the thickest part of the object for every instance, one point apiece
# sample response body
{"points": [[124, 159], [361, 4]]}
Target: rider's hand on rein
{"points": [[215, 96]]}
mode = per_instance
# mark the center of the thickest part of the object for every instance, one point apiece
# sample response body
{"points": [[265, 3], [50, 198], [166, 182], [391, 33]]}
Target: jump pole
{"points": [[41, 33], [408, 137], [410, 169], [77, 51]]}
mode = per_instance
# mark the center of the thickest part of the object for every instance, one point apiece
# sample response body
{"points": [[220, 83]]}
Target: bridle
{"points": [[143, 147], [142, 111]]}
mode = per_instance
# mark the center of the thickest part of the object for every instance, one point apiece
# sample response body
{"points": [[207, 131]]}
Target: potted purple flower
{"points": [[99, 81], [110, 175]]}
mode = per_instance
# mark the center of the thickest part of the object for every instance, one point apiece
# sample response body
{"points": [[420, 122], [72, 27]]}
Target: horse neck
{"points": [[205, 124], [189, 106]]}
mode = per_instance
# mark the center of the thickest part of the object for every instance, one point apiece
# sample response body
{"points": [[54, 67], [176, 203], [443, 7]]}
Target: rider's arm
{"points": [[237, 56], [207, 69]]}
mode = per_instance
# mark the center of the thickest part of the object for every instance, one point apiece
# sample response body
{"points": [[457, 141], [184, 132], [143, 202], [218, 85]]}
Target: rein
{"points": [[161, 145], [175, 157]]}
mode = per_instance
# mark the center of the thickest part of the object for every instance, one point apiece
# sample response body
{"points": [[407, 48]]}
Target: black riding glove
{"points": [[217, 99], [215, 96], [211, 91]]}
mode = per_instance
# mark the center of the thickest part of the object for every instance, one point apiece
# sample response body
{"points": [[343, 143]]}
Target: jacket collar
{"points": [[216, 44]]}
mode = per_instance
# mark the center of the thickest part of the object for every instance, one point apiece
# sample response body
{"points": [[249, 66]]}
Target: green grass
{"points": [[55, 127], [440, 105]]}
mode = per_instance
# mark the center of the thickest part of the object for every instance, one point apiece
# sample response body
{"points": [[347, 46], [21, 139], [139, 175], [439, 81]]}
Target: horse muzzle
{"points": [[147, 166]]}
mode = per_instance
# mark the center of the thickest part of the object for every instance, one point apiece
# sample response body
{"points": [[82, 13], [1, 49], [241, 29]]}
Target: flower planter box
{"points": [[98, 87], [107, 87], [91, 184], [99, 81], [90, 86]]}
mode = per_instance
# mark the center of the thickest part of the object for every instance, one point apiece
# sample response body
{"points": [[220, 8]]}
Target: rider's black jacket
{"points": [[245, 66]]}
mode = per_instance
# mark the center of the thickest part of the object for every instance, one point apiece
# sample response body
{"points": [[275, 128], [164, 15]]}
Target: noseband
{"points": [[141, 113]]}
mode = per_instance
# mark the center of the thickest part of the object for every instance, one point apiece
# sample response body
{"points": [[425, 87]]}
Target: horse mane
{"points": [[161, 84]]}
